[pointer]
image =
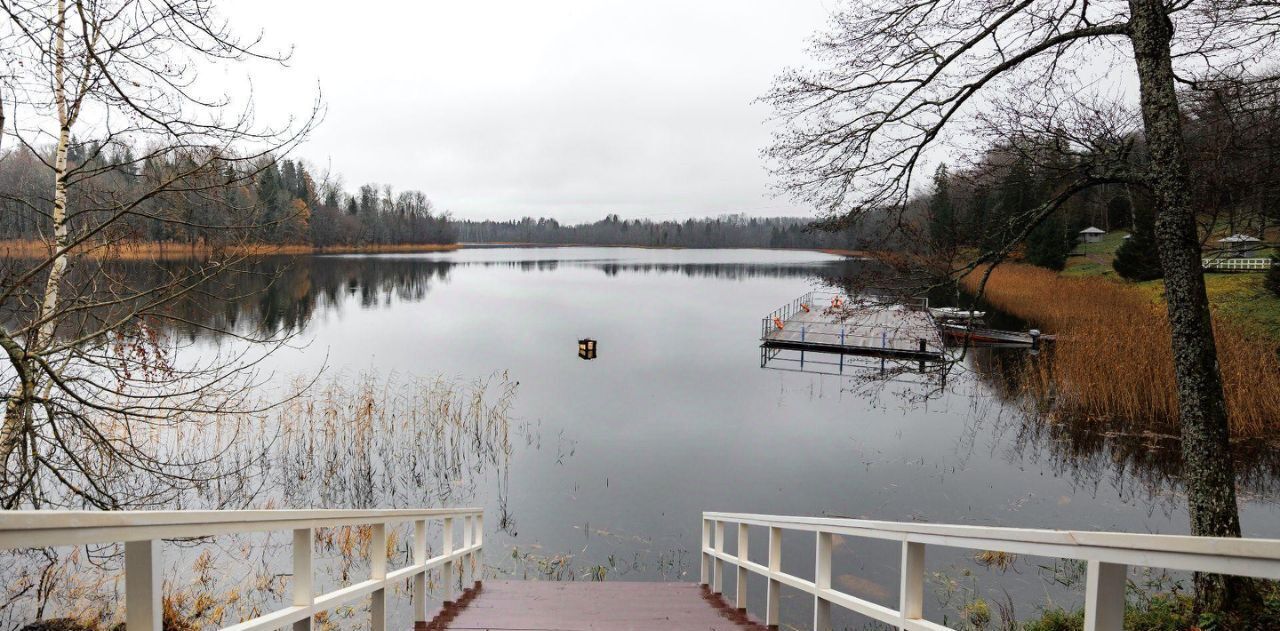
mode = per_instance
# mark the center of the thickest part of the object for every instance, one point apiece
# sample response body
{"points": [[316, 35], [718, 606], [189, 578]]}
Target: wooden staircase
{"points": [[582, 606]]}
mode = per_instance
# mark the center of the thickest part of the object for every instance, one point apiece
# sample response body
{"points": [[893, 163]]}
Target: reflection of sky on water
{"points": [[676, 416]]}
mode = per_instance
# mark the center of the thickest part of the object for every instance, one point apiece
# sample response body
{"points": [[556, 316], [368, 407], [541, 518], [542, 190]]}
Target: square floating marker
{"points": [[587, 348]]}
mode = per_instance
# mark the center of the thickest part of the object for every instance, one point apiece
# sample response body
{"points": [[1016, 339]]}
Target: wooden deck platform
{"points": [[867, 328], [585, 606]]}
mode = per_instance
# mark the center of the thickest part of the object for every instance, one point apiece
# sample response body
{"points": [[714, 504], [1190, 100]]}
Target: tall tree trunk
{"points": [[17, 409], [1208, 473]]}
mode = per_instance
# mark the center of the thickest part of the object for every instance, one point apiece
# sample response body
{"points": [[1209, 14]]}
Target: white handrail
{"points": [[1108, 554], [1234, 264], [142, 531]]}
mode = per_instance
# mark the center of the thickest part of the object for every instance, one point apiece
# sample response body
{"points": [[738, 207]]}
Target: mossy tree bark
{"points": [[1208, 473]]}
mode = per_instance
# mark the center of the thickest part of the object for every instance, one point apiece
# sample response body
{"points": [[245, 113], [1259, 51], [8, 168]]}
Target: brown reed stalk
{"points": [[1112, 362]]}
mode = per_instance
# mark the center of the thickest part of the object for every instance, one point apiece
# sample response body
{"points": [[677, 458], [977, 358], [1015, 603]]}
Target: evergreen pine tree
{"points": [[1137, 259], [977, 233], [942, 220], [1047, 244], [1014, 196]]}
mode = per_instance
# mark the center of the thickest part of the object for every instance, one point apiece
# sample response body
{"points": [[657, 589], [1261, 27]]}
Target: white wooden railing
{"points": [[1108, 555], [1237, 265], [142, 531]]}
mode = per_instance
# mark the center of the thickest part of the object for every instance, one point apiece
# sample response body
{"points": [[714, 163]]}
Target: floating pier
{"points": [[854, 325]]}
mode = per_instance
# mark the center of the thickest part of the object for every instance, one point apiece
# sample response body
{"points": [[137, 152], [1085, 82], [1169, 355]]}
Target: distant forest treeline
{"points": [[283, 203], [730, 231], [274, 202]]}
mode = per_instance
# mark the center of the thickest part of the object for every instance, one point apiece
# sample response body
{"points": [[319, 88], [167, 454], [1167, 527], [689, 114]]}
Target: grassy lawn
{"points": [[1242, 299], [1237, 297]]}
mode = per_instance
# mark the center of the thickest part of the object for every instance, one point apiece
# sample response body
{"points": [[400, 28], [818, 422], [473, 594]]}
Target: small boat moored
{"points": [[993, 336], [955, 313]]}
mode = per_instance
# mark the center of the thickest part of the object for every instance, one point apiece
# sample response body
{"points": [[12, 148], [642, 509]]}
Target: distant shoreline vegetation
{"points": [[729, 231], [170, 250], [266, 202], [150, 250]]}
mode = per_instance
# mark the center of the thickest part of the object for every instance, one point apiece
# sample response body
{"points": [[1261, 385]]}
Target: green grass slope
{"points": [[1238, 297]]}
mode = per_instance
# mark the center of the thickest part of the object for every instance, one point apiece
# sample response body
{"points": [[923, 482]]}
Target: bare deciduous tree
{"points": [[897, 78], [104, 90]]}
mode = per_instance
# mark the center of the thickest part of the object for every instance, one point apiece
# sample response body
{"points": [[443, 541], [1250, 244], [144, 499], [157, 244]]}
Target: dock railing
{"points": [[853, 337], [142, 532], [822, 299], [1107, 555]]}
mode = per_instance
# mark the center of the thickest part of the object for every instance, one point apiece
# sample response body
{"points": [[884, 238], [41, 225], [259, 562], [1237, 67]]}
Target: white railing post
{"points": [[420, 579], [478, 555], [378, 570], [705, 576], [140, 536], [821, 581], [303, 577], [142, 585], [775, 565], [911, 591], [467, 532], [717, 563], [1104, 597], [740, 585], [446, 575]]}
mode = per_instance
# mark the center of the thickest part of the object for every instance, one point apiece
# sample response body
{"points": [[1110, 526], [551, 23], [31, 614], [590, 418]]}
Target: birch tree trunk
{"points": [[1208, 474], [18, 406]]}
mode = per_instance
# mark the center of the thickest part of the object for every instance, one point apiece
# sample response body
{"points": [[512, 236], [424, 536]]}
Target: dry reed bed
{"points": [[1113, 360], [350, 441]]}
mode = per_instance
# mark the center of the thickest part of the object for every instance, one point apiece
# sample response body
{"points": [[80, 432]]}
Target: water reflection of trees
{"points": [[1090, 449], [281, 295], [727, 271]]}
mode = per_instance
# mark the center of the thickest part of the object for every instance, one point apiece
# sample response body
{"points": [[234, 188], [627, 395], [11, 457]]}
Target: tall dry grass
{"points": [[1113, 361], [352, 441]]}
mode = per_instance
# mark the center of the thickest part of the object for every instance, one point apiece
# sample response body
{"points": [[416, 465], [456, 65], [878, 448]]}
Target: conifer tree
{"points": [[942, 221], [1047, 244], [1138, 259]]}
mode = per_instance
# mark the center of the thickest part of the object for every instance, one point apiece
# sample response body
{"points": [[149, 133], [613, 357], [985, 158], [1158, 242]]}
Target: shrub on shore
{"points": [[1137, 259], [1166, 610]]}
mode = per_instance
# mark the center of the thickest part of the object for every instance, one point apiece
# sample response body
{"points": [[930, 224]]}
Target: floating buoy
{"points": [[777, 322]]}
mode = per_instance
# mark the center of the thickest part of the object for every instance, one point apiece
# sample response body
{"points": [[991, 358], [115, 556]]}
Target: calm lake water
{"points": [[618, 456]]}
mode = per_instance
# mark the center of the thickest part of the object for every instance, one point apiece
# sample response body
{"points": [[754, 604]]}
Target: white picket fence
{"points": [[1237, 265], [142, 531], [1108, 555]]}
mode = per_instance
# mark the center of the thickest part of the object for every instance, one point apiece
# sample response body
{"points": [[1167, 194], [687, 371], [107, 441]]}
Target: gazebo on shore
{"points": [[1239, 244], [1091, 235]]}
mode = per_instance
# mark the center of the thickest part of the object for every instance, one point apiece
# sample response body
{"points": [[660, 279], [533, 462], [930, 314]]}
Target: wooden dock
{"points": [[583, 606], [831, 323]]}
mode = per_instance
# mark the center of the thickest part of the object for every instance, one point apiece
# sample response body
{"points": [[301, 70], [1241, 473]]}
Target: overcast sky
{"points": [[563, 108]]}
